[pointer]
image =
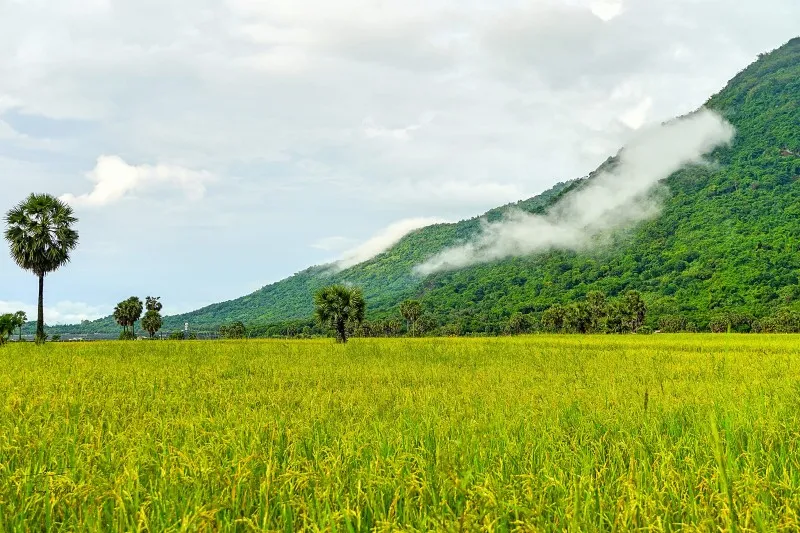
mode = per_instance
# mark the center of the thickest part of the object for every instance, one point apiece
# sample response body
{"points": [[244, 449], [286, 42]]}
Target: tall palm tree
{"points": [[126, 313], [41, 236], [411, 311], [339, 306]]}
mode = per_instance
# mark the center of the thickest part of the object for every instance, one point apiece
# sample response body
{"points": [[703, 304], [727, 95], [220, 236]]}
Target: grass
{"points": [[662, 433]]}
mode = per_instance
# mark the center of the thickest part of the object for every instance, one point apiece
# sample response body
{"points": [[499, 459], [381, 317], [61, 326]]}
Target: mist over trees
{"points": [[725, 241]]}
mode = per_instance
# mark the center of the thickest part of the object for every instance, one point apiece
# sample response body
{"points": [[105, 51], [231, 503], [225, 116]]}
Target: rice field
{"points": [[540, 433]]}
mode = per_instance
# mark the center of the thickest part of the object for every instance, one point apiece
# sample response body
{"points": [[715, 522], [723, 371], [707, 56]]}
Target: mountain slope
{"points": [[727, 238]]}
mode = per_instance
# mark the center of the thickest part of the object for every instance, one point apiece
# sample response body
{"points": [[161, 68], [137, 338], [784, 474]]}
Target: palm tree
{"points": [[411, 311], [152, 320], [121, 317], [337, 306], [126, 313], [154, 304], [41, 235], [20, 317], [636, 309]]}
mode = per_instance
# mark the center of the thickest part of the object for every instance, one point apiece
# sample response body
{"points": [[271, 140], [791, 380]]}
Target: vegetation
{"points": [[341, 308], [10, 323], [41, 235], [126, 314], [152, 320], [236, 330], [726, 243], [20, 318], [412, 312], [7, 327], [547, 433]]}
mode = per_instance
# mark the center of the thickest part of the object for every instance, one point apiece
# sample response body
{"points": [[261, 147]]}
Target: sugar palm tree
{"points": [[411, 311], [339, 306], [41, 236], [152, 320], [126, 313]]}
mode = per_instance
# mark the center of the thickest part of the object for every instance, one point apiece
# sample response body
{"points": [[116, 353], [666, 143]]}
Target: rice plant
{"points": [[540, 433]]}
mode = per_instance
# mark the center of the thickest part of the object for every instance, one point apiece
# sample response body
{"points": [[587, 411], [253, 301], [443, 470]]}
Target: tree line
{"points": [[11, 323], [41, 236], [341, 310]]}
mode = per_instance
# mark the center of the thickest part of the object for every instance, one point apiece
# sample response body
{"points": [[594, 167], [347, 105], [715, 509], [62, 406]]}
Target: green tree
{"points": [[617, 318], [7, 326], [426, 324], [152, 320], [127, 313], [783, 321], [392, 327], [337, 307], [454, 329], [20, 318], [411, 311], [41, 236], [235, 330], [672, 324], [577, 317], [635, 310], [518, 324], [553, 319], [597, 309]]}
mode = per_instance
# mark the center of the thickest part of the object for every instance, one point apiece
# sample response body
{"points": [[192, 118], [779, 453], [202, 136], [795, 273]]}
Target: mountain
{"points": [[726, 239]]}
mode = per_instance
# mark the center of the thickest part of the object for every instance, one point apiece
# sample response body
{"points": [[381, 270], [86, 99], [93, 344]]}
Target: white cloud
{"points": [[7, 133], [271, 97], [384, 240], [115, 179], [613, 199], [636, 117], [332, 244], [488, 194], [373, 130], [607, 10], [59, 313]]}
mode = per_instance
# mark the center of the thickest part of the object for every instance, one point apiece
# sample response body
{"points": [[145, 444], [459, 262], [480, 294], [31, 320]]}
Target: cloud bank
{"points": [[115, 179], [59, 313], [383, 241], [613, 199], [300, 108]]}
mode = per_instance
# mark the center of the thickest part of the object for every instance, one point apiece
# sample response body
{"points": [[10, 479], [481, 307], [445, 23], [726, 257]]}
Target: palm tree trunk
{"points": [[40, 317], [341, 329]]}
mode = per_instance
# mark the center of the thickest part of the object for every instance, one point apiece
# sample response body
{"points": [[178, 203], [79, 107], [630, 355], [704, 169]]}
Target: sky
{"points": [[210, 147]]}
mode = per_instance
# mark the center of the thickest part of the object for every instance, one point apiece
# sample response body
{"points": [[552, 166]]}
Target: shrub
{"points": [[672, 324]]}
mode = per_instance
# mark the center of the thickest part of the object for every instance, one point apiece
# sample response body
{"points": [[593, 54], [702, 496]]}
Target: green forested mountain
{"points": [[727, 239]]}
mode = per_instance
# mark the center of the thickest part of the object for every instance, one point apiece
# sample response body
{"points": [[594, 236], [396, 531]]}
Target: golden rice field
{"points": [[606, 433]]}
